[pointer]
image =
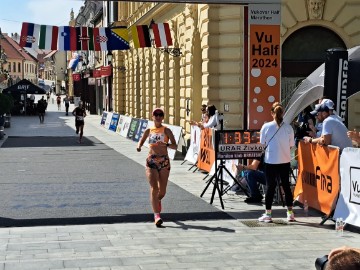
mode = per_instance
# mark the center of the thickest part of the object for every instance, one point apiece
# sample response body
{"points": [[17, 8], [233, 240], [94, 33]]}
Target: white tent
{"points": [[311, 89]]}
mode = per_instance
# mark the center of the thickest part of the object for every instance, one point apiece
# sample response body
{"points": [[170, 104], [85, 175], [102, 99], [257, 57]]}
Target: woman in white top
{"points": [[278, 138], [213, 121]]}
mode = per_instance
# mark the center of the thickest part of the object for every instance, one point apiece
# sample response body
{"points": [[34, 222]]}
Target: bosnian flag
{"points": [[48, 37], [67, 38], [162, 34], [29, 35]]}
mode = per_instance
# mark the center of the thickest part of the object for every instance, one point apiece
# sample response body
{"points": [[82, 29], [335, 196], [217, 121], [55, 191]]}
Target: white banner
{"points": [[125, 126], [177, 131], [194, 148], [120, 123], [108, 120], [348, 205]]}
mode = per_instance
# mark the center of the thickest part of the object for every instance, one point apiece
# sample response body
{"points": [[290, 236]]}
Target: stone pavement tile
{"points": [[90, 262], [34, 265]]}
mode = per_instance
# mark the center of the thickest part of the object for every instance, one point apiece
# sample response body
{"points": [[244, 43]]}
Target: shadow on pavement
{"points": [[46, 141], [172, 217]]}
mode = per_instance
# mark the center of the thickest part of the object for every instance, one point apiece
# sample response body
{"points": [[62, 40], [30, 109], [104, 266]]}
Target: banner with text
{"points": [[264, 62], [318, 179], [207, 150], [348, 205], [194, 147]]}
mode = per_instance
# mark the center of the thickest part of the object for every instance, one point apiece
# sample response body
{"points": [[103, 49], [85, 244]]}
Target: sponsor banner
{"points": [[264, 62], [150, 124], [114, 122], [108, 120], [125, 126], [207, 152], [348, 204], [103, 118], [132, 128], [318, 178], [120, 123], [194, 147], [140, 130], [177, 131]]}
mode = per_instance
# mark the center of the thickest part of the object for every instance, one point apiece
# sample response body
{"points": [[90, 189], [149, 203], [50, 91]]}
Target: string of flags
{"points": [[81, 38]]}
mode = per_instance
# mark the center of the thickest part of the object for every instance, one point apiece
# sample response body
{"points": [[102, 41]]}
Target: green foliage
{"points": [[6, 104]]}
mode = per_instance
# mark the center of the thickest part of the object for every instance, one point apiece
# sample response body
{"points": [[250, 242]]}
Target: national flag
{"points": [[74, 61], [48, 37], [85, 39], [118, 38], [141, 36], [29, 35], [162, 34], [67, 38], [100, 39]]}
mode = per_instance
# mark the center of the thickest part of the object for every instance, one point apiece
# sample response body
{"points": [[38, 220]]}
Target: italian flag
{"points": [[48, 37]]}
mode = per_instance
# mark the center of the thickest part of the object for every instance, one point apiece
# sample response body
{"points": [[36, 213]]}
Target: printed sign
{"points": [[125, 126], [318, 179], [264, 62], [132, 128], [108, 120], [206, 158], [103, 119], [348, 205], [114, 122], [140, 130]]}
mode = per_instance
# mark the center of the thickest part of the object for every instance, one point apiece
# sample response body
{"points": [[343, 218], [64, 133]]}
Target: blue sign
{"points": [[103, 118], [140, 130], [114, 121]]}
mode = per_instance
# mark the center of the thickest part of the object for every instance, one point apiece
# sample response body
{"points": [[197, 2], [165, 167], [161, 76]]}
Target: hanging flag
{"points": [[48, 37], [141, 36], [118, 38], [85, 39], [162, 34], [100, 39], [67, 38], [29, 35], [74, 61]]}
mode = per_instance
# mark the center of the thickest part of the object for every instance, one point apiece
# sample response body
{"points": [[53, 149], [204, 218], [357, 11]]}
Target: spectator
{"points": [[203, 112], [344, 258], [254, 174], [58, 102], [213, 120], [66, 100], [304, 125], [279, 139], [41, 107], [333, 132], [354, 135]]}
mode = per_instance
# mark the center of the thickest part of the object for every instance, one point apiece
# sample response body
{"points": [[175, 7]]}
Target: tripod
{"points": [[217, 177], [219, 173]]}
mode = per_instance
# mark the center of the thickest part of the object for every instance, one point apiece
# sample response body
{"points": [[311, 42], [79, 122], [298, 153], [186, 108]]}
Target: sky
{"points": [[49, 12]]}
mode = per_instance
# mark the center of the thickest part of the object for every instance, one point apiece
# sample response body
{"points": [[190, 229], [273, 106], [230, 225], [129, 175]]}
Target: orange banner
{"points": [[318, 180], [206, 157], [264, 62]]}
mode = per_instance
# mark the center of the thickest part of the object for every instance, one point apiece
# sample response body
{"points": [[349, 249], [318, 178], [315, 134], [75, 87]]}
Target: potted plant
{"points": [[6, 104]]}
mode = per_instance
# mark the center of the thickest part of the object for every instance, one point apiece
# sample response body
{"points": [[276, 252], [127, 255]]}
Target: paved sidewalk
{"points": [[239, 243]]}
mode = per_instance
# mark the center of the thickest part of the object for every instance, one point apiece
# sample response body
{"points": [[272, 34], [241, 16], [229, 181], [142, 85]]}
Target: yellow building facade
{"points": [[210, 68]]}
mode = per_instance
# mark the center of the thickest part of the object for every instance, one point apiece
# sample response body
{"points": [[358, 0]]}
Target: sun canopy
{"points": [[24, 87]]}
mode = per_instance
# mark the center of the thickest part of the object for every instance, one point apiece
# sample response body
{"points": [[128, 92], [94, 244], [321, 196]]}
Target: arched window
{"points": [[305, 50]]}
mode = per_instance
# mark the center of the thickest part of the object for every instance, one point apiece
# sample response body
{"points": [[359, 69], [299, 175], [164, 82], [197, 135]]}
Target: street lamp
{"points": [[109, 57]]}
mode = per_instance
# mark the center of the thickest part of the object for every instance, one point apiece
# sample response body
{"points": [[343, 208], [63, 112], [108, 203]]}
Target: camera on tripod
{"points": [[320, 263]]}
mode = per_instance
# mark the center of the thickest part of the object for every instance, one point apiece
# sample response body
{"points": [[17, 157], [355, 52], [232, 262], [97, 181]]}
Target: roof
{"points": [[50, 54], [13, 50]]}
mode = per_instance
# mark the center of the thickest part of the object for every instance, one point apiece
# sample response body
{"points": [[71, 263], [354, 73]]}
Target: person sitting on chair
{"points": [[254, 174]]}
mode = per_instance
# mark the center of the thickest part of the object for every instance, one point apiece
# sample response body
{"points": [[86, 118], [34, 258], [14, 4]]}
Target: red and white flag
{"points": [[162, 34]]}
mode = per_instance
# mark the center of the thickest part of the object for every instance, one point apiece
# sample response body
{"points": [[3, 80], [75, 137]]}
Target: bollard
{"points": [[1, 132]]}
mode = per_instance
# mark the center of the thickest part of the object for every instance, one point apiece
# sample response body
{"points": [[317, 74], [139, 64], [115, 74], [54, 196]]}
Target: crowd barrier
{"points": [[133, 128]]}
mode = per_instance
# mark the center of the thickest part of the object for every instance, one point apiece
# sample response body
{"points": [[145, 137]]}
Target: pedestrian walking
{"points": [[157, 163], [79, 113], [66, 100], [41, 107], [58, 102], [279, 139]]}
